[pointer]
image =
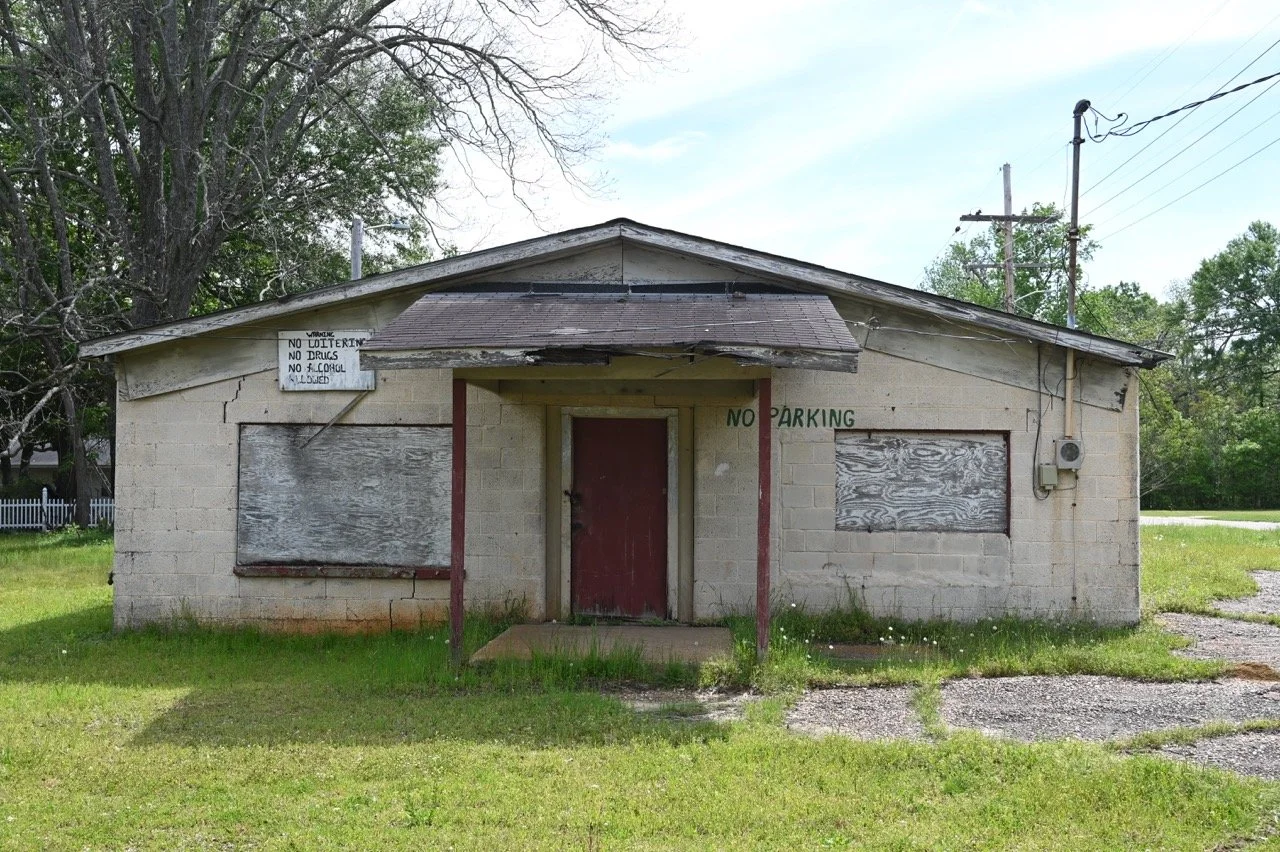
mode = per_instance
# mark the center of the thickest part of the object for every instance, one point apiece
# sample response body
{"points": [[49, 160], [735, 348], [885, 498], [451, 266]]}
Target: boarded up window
{"points": [[356, 495], [939, 482]]}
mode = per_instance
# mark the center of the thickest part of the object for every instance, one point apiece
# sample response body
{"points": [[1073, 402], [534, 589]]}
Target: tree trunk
{"points": [[82, 477], [24, 462]]}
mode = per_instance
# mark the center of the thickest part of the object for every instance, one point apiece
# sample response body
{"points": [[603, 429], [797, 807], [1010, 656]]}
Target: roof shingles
{"points": [[525, 321]]}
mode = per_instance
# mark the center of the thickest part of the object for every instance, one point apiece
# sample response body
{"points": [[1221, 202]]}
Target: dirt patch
{"points": [[865, 713], [1265, 602], [1226, 638], [873, 653], [686, 704], [1256, 754], [655, 643], [1253, 671], [1099, 708]]}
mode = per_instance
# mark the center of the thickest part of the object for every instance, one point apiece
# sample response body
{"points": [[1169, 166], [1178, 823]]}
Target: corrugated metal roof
{"points": [[528, 321]]}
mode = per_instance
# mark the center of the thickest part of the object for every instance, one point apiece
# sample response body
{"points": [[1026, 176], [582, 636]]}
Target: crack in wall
{"points": [[239, 385]]}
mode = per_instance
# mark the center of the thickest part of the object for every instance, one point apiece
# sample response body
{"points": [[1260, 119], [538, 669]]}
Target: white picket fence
{"points": [[46, 514]]}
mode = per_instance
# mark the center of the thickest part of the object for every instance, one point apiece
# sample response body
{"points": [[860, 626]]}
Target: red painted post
{"points": [[458, 520], [764, 391]]}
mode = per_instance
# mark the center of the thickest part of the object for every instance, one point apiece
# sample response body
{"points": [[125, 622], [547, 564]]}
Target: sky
{"points": [[854, 134]]}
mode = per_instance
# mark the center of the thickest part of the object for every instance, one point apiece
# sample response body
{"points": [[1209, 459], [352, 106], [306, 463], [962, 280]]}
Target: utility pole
{"points": [[1008, 238], [1073, 233], [1008, 220], [357, 248], [358, 230]]}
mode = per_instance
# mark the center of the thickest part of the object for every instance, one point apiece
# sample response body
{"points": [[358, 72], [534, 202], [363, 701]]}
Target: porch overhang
{"points": [[489, 330]]}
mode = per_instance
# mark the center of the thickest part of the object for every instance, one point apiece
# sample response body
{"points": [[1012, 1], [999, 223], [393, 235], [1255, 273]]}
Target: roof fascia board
{"points": [[844, 283], [548, 247], [475, 263], [481, 357]]}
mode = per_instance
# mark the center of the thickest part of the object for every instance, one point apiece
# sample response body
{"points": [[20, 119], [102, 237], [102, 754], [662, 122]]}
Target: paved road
{"points": [[1165, 521]]}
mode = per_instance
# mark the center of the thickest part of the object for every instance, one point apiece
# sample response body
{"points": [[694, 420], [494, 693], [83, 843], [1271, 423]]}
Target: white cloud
{"points": [[780, 93], [975, 7], [662, 151]]}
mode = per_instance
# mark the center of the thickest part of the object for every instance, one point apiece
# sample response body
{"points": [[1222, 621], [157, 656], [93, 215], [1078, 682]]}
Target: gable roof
{"points": [[453, 329], [440, 273]]}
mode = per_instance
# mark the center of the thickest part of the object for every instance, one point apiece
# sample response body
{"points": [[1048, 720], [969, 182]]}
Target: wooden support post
{"points": [[458, 520], [764, 512]]}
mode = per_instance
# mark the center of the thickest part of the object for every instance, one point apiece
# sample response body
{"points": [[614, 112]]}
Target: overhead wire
{"points": [[1169, 53], [1149, 69], [1188, 113], [1196, 188], [1188, 146], [955, 236], [1172, 181], [500, 337], [1133, 129]]}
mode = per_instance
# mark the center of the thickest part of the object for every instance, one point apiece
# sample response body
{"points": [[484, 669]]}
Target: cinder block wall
{"points": [[506, 493], [1072, 555], [176, 507], [725, 507]]}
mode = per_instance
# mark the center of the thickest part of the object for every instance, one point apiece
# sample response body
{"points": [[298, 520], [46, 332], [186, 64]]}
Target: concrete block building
{"points": [[621, 421]]}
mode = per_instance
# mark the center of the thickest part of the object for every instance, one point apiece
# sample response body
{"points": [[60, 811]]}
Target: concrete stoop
{"points": [[656, 643]]}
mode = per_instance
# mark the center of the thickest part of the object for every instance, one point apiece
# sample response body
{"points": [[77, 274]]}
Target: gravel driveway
{"points": [[1226, 639], [862, 713], [1266, 601], [1100, 708], [1252, 754], [1083, 707]]}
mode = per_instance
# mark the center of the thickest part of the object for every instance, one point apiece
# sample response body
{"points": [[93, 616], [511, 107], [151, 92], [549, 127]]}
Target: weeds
{"points": [[1185, 569], [927, 702], [1152, 740], [802, 646], [420, 809], [207, 738]]}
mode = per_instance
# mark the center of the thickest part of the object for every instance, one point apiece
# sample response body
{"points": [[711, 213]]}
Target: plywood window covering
{"points": [[354, 495], [922, 481]]}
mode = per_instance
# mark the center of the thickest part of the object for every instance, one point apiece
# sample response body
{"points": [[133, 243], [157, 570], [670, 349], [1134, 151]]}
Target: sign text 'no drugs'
{"points": [[323, 360]]}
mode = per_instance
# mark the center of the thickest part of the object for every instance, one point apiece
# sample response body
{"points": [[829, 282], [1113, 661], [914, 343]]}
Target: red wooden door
{"points": [[618, 518]]}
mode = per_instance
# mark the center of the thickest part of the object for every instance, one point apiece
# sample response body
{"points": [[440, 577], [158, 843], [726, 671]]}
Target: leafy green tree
{"points": [[159, 157], [969, 270], [1234, 306], [1210, 423]]}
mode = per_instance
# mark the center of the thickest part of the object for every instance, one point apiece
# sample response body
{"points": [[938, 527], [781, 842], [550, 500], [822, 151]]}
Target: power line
{"points": [[1225, 59], [1008, 220], [1136, 128], [1168, 54], [1196, 188], [955, 236], [1066, 177], [1185, 148], [1187, 115], [1170, 183], [1149, 69], [1065, 146]]}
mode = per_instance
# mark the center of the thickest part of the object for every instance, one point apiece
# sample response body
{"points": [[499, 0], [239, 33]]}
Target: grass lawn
{"points": [[235, 739], [1185, 568], [1268, 515]]}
